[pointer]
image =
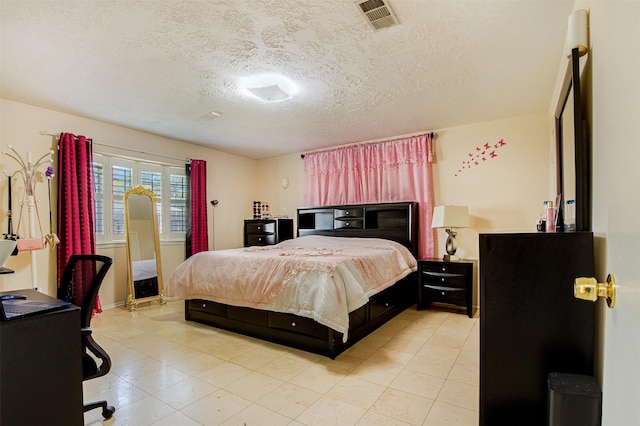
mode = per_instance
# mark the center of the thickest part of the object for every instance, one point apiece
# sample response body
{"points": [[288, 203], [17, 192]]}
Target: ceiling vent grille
{"points": [[378, 13]]}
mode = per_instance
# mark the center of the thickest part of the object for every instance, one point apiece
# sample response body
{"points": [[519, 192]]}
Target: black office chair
{"points": [[79, 285]]}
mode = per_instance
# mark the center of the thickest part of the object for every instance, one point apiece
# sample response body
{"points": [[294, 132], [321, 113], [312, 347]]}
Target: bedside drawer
{"points": [[445, 282], [445, 294], [446, 268], [444, 279], [261, 240], [260, 227], [264, 232]]}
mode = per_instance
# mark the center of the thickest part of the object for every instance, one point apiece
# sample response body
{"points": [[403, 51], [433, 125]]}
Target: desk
{"points": [[41, 368]]}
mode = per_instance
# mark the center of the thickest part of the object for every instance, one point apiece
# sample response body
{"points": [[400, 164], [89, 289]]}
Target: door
{"points": [[615, 29]]}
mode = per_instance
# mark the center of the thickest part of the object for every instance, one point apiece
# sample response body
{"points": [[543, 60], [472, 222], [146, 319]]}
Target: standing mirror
{"points": [[143, 247]]}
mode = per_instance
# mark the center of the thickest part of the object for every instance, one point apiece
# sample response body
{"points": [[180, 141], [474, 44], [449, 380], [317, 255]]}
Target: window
{"points": [[113, 176]]}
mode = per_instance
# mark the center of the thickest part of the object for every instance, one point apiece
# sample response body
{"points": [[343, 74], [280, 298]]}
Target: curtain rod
{"points": [[57, 135], [430, 134]]}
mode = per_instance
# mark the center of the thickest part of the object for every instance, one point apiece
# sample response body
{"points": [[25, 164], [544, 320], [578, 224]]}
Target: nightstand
{"points": [[445, 282], [263, 232]]}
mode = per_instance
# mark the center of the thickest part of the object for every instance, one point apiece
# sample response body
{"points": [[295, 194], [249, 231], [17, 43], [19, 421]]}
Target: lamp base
{"points": [[451, 247], [450, 258]]}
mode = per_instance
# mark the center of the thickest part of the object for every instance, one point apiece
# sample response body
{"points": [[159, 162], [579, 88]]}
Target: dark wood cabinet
{"points": [[445, 282], [263, 232], [530, 323], [41, 372]]}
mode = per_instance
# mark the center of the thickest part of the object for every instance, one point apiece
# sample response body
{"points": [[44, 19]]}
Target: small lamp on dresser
{"points": [[450, 217]]}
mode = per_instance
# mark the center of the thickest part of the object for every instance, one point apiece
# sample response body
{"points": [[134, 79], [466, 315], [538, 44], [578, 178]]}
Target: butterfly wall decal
{"points": [[482, 154]]}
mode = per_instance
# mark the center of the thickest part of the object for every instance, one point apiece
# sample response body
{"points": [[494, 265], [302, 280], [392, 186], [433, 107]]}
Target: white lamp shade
{"points": [[578, 32], [451, 217]]}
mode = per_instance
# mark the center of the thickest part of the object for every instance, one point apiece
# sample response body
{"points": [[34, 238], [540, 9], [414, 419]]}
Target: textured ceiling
{"points": [[162, 66]]}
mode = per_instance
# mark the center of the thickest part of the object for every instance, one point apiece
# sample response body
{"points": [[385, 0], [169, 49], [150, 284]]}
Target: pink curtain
{"points": [[396, 170], [76, 211], [197, 233]]}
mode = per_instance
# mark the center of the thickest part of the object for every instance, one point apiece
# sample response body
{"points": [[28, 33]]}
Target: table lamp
{"points": [[450, 217]]}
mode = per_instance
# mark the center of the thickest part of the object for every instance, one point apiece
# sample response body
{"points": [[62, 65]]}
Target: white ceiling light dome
{"points": [[269, 87]]}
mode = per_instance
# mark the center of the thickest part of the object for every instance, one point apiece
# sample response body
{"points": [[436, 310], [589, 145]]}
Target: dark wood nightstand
{"points": [[445, 282], [263, 232]]}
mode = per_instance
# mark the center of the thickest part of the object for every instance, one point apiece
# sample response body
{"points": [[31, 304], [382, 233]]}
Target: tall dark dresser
{"points": [[530, 322]]}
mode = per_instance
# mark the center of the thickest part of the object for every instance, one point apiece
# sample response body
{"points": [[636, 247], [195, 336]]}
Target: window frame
{"points": [[107, 161]]}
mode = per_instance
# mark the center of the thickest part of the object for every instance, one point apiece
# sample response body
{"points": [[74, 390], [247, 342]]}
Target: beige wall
{"points": [[503, 194], [230, 179]]}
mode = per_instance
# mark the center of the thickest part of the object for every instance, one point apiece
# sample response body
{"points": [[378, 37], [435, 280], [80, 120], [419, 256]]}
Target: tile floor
{"points": [[421, 368]]}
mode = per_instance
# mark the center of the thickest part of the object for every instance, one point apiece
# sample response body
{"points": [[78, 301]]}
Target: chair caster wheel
{"points": [[108, 411]]}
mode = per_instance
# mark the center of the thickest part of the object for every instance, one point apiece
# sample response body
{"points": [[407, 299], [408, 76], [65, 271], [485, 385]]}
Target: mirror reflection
{"points": [[143, 247], [573, 181], [568, 151]]}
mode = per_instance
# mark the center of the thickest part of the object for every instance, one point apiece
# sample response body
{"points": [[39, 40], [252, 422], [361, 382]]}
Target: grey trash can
{"points": [[574, 399]]}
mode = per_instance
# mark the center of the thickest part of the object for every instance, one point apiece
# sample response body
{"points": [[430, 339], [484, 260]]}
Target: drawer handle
{"points": [[293, 324], [346, 223], [204, 305], [259, 238], [259, 228], [346, 213], [443, 293]]}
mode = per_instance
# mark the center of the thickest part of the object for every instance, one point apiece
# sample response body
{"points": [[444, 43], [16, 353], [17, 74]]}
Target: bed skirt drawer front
{"points": [[296, 324], [248, 315], [398, 296], [207, 307]]}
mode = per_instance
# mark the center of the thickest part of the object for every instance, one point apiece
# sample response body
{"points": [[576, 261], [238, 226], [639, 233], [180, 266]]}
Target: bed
{"points": [[351, 269], [145, 278]]}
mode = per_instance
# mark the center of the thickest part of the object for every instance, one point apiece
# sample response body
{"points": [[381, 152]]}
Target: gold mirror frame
{"points": [[139, 247]]}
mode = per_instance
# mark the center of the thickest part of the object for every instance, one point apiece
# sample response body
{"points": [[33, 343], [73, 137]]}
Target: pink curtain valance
{"points": [[395, 170]]}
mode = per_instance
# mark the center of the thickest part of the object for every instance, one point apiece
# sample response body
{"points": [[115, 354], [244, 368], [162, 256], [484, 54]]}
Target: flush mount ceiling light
{"points": [[269, 87]]}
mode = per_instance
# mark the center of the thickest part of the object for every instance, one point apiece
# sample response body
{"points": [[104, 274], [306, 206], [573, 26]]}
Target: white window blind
{"points": [[113, 176]]}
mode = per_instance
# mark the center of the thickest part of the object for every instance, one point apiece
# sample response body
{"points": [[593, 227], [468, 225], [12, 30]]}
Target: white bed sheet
{"points": [[144, 269], [323, 278]]}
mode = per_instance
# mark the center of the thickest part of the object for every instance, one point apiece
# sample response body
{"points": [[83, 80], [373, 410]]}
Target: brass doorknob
{"points": [[587, 288]]}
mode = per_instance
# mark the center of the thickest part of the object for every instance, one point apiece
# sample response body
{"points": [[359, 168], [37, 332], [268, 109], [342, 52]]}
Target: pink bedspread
{"points": [[318, 277]]}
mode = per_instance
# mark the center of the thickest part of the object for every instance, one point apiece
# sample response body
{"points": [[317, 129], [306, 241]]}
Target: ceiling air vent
{"points": [[378, 13]]}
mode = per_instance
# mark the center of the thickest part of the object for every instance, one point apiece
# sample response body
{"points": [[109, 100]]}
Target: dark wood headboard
{"points": [[393, 221]]}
